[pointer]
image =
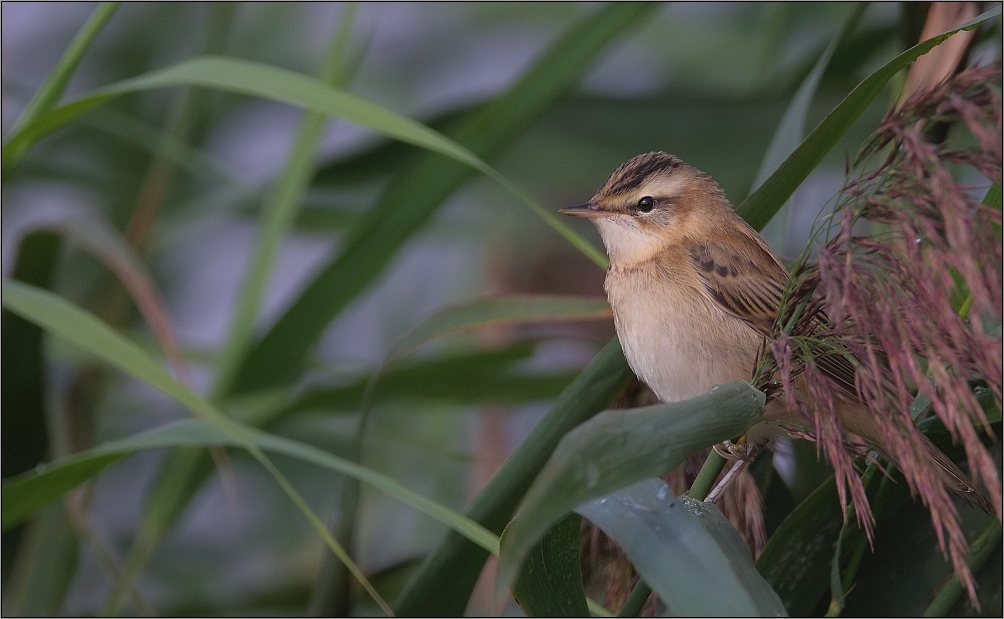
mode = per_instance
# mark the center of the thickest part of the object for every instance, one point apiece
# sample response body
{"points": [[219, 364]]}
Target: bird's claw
{"points": [[739, 449]]}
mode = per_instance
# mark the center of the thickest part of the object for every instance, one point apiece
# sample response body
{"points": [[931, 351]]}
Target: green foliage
{"points": [[550, 584], [618, 448], [377, 362], [710, 569]]}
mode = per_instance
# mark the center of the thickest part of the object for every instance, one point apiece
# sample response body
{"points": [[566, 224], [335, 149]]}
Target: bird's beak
{"points": [[587, 210]]}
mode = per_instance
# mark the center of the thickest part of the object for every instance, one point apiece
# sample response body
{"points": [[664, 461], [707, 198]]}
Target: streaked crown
{"points": [[634, 173]]}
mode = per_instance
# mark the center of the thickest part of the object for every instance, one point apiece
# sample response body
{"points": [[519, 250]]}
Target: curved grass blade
{"points": [[686, 550], [618, 448], [466, 378], [99, 238], [501, 310], [84, 330], [257, 79], [50, 92], [791, 129], [759, 207], [26, 493]]}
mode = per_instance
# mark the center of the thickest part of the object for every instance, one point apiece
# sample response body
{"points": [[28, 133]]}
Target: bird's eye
{"points": [[646, 204]]}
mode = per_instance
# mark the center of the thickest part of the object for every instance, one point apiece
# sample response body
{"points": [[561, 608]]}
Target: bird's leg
{"points": [[741, 451], [716, 492], [738, 449]]}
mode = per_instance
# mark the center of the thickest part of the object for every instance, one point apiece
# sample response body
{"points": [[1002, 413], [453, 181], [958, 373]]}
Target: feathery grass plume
{"points": [[913, 307]]}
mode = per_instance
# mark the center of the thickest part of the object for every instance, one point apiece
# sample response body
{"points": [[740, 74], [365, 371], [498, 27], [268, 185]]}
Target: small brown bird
{"points": [[695, 291]]}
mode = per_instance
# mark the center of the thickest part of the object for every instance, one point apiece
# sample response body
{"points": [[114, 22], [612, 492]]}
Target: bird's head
{"points": [[651, 202]]}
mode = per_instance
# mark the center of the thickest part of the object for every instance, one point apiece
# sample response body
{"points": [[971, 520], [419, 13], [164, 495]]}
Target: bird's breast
{"points": [[674, 338]]}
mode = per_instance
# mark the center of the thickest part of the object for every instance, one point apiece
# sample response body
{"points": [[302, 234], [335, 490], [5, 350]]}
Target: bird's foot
{"points": [[740, 449]]}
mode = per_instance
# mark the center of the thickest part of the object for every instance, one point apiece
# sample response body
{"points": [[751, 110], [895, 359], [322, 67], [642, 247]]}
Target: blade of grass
{"points": [[791, 129], [262, 80], [52, 89], [34, 489], [84, 330], [464, 378], [761, 205], [796, 557], [849, 532], [500, 310], [280, 209]]}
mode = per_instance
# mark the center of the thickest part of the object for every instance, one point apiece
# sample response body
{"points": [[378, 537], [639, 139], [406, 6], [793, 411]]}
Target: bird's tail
{"points": [[857, 419], [955, 480]]}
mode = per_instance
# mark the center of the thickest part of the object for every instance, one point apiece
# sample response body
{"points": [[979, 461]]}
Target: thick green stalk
{"points": [[636, 601], [706, 478], [979, 551]]}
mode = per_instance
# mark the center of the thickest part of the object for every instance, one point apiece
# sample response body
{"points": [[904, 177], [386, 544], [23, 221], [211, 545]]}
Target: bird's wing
{"points": [[739, 285], [750, 288]]}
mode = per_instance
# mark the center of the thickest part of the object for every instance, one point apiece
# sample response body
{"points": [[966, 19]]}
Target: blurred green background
{"points": [[183, 175]]}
